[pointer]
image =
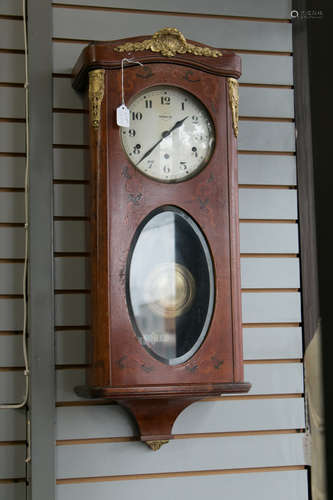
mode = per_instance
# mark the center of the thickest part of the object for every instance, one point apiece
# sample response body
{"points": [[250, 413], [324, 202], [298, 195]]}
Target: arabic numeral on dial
{"points": [[137, 149], [150, 163], [183, 106], [165, 100], [137, 115], [149, 104], [131, 132], [166, 169], [183, 165]]}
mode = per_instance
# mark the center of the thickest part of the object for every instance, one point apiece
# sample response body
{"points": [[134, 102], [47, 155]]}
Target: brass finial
{"points": [[156, 445]]}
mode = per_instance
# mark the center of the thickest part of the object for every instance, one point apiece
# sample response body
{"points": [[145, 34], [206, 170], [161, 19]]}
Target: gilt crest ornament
{"points": [[169, 42]]}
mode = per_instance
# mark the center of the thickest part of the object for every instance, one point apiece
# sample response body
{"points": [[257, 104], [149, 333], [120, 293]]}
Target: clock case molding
{"points": [[121, 197]]}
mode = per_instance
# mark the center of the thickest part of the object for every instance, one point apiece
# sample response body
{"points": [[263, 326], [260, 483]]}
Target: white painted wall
{"points": [[12, 169]]}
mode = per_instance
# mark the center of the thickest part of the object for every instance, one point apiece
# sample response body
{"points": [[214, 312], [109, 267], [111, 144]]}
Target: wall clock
{"points": [[166, 308]]}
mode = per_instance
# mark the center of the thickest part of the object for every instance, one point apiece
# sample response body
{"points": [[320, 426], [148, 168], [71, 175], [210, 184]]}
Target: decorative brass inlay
{"points": [[234, 100], [96, 94], [169, 290], [168, 41], [156, 445]]}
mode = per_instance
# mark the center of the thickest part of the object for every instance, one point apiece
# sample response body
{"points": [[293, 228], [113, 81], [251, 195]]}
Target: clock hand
{"points": [[177, 125], [165, 134], [147, 153]]}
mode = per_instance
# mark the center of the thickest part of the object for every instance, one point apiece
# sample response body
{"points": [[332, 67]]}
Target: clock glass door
{"points": [[170, 285]]}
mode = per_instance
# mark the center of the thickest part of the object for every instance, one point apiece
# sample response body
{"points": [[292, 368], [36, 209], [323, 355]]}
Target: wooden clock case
{"points": [[120, 368]]}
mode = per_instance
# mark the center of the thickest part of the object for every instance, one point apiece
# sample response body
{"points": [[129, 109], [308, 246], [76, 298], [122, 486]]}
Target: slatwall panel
{"points": [[257, 437], [12, 169]]}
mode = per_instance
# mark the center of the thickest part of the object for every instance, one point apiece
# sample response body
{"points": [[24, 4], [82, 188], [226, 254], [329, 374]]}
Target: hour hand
{"points": [[177, 124]]}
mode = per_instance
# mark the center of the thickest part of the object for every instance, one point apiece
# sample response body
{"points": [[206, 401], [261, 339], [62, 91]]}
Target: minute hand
{"points": [[165, 134]]}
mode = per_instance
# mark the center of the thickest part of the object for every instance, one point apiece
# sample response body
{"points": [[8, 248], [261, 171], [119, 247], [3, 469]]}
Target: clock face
{"points": [[171, 135]]}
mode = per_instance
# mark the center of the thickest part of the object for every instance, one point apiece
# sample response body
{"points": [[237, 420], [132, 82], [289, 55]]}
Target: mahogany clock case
{"points": [[122, 198]]}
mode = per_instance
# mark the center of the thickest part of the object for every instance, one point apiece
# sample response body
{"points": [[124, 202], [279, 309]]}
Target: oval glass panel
{"points": [[170, 285]]}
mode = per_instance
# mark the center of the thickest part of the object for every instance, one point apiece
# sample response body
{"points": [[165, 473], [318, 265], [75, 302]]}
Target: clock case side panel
{"points": [[235, 247], [99, 371]]}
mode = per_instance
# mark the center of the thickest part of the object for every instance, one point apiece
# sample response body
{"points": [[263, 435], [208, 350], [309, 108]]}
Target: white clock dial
{"points": [[171, 135]]}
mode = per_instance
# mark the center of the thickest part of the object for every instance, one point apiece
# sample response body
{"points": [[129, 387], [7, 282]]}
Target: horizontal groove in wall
{"points": [[270, 255], [257, 396], [259, 85], [70, 181], [10, 17], [71, 292], [11, 296], [106, 402], [83, 41], [271, 325], [160, 475], [270, 290], [11, 369], [266, 153], [126, 439], [71, 328], [88, 402], [171, 13], [266, 119], [260, 52], [10, 84], [69, 218], [70, 110], [267, 186], [62, 75], [11, 261], [71, 367], [268, 221], [272, 361], [71, 254], [11, 51], [267, 85], [70, 146], [12, 443], [12, 120], [12, 155], [10, 332], [13, 480], [12, 224], [11, 190]]}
